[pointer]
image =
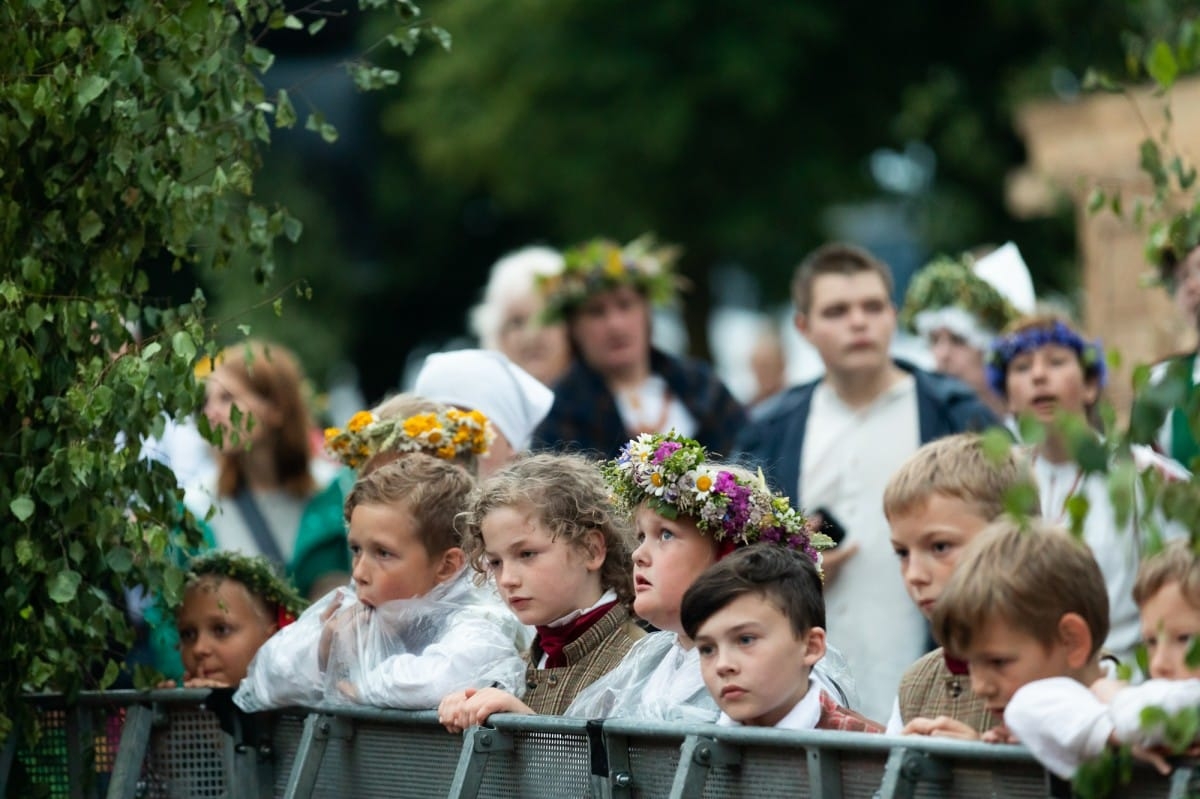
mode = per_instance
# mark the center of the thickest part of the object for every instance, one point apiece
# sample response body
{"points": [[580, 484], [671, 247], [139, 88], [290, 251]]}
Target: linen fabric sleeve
{"points": [[1060, 721], [1127, 705]]}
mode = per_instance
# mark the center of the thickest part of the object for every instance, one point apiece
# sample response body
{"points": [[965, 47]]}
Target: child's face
{"points": [[542, 579], [928, 540], [1170, 623], [388, 559], [1046, 381], [1002, 659], [670, 555], [220, 629], [753, 663]]}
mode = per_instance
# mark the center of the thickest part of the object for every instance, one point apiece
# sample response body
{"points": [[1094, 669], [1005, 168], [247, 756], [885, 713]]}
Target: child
{"points": [[758, 618], [936, 503], [232, 604], [1064, 723], [1023, 605], [1046, 369], [412, 627], [681, 531], [547, 531]]}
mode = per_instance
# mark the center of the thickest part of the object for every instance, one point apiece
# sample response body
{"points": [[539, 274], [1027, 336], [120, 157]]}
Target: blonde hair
{"points": [[1030, 578], [433, 491], [272, 372], [1176, 563], [568, 496], [957, 466]]}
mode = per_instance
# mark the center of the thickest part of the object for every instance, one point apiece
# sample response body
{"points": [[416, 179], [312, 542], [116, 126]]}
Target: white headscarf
{"points": [[485, 380]]}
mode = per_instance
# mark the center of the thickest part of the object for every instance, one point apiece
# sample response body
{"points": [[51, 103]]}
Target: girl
{"points": [[1046, 370], [545, 529], [231, 605], [689, 513]]}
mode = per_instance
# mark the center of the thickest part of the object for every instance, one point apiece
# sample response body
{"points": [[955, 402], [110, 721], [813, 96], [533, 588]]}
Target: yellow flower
{"points": [[414, 426], [360, 420], [613, 265], [656, 479], [330, 434], [447, 452], [461, 435], [704, 482], [435, 436]]}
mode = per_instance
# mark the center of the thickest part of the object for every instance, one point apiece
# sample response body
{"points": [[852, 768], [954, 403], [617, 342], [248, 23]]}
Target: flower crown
{"points": [[259, 576], [449, 434], [1005, 348], [668, 472], [949, 282], [601, 265]]}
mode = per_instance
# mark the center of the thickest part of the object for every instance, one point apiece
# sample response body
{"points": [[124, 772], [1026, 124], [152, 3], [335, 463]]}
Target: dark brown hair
{"points": [[836, 258]]}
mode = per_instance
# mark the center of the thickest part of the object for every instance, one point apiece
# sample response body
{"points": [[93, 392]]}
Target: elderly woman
{"points": [[507, 319]]}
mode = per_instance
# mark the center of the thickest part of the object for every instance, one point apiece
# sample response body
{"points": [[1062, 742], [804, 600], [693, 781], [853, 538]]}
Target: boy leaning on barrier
{"points": [[1065, 724], [758, 619], [413, 625], [936, 503]]}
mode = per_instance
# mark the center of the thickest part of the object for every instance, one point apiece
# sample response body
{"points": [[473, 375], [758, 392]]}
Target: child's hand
{"points": [[999, 735], [204, 682], [328, 630], [166, 684], [1106, 688], [472, 707], [941, 727]]}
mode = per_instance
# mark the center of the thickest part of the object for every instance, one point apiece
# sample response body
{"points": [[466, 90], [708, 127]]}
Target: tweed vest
{"points": [[929, 689]]}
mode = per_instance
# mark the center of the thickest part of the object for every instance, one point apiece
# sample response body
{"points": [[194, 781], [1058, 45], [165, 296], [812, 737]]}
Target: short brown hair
{"points": [[957, 466], [1176, 563], [836, 258], [435, 492], [1029, 577], [567, 494]]}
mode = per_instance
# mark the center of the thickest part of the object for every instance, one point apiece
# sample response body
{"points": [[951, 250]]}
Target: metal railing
{"points": [[195, 743]]}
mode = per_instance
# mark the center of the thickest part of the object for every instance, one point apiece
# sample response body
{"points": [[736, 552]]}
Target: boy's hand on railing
{"points": [[472, 707], [999, 735], [941, 727]]}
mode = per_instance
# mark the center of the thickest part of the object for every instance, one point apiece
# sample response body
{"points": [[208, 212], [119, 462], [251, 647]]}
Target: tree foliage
{"points": [[129, 141]]}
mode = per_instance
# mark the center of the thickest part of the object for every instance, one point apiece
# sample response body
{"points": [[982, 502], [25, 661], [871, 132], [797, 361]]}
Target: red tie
{"points": [[552, 640]]}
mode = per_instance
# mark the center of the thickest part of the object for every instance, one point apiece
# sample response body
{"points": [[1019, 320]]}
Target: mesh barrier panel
{"points": [[189, 757], [862, 773], [285, 740], [384, 760], [45, 764], [763, 772], [542, 764], [652, 762]]}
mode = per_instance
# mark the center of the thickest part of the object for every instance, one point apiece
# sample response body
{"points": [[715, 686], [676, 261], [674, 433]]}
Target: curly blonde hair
{"points": [[568, 496]]}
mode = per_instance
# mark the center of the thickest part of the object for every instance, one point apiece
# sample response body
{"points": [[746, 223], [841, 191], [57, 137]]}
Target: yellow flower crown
{"points": [[445, 435], [602, 265]]}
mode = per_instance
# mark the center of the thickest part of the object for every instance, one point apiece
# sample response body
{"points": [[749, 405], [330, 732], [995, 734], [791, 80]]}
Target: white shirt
{"points": [[849, 455], [643, 407]]}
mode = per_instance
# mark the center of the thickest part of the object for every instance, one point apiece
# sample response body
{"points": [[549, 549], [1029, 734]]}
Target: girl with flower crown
{"points": [[689, 513], [1048, 372], [232, 604]]}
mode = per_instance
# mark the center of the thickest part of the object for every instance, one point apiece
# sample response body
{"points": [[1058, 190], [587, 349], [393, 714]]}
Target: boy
{"points": [[1065, 724], [412, 626], [1023, 605], [758, 620], [936, 503]]}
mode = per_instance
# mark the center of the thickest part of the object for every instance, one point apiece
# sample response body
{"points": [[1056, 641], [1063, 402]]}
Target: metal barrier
{"points": [[196, 744]]}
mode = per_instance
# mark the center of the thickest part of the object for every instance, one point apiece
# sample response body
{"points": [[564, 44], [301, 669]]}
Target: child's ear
{"points": [[1091, 391], [596, 549], [1076, 636], [816, 646], [451, 561]]}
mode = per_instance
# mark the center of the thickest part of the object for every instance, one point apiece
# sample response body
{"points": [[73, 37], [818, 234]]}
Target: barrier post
{"points": [[1185, 783], [478, 745], [824, 772], [318, 729], [697, 756], [620, 772], [131, 753], [906, 768]]}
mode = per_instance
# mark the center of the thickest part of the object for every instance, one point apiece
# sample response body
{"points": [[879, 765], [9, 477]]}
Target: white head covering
{"points": [[487, 381]]}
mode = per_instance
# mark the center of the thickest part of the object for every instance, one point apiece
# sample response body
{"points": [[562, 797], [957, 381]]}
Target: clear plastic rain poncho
{"points": [[659, 680], [405, 654]]}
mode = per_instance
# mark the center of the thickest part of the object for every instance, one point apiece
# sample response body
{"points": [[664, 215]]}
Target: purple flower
{"points": [[665, 449]]}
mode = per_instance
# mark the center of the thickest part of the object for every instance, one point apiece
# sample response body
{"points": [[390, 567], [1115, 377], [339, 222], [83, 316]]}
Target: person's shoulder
{"points": [[782, 405], [934, 660]]}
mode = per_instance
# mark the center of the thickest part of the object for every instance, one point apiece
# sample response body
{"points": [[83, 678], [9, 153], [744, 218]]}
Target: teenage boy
{"points": [[936, 503], [833, 444], [758, 619]]}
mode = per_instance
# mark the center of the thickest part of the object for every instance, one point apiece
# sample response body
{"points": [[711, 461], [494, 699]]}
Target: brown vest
{"points": [[589, 657], [929, 689]]}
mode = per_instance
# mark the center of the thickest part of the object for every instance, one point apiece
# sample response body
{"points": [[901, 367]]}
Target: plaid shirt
{"points": [[585, 416], [929, 689]]}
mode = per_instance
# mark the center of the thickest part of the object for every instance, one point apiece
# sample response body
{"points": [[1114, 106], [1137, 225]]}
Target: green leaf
{"points": [[90, 226], [277, 306], [91, 87], [64, 585], [285, 112], [183, 345], [119, 559], [1161, 65], [22, 507], [1192, 658]]}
